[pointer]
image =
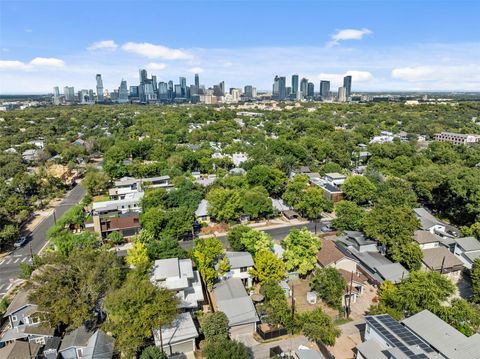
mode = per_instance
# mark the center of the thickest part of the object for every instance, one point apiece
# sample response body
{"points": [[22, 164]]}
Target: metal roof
{"points": [[239, 259]]}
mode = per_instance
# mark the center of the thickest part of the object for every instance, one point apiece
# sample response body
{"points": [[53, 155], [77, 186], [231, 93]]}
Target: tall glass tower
{"points": [[100, 97]]}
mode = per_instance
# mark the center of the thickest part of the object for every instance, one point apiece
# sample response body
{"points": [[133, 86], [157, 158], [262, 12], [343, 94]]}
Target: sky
{"points": [[386, 45]]}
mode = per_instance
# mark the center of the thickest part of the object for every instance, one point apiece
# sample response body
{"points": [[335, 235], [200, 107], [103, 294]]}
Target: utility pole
{"points": [[350, 296], [443, 263], [31, 252], [54, 217]]}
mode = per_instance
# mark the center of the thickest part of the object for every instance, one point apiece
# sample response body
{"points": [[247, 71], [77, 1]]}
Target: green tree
{"points": [[407, 252], [206, 252], [116, 237], [256, 203], [329, 285], [153, 352], [349, 216], [135, 309], [301, 248], [294, 190], [226, 349], [225, 204], [318, 326], [95, 182], [272, 179], [235, 236], [472, 231], [267, 267], [358, 189], [215, 326], [165, 248], [8, 235], [475, 276], [137, 256], [254, 241], [395, 192], [312, 204], [69, 289]]}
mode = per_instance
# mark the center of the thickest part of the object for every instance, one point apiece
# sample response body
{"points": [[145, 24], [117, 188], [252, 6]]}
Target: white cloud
{"points": [[155, 66], [418, 73], [446, 75], [37, 62], [337, 79], [155, 51], [103, 45], [47, 62], [196, 70], [13, 65], [360, 76], [348, 34]]}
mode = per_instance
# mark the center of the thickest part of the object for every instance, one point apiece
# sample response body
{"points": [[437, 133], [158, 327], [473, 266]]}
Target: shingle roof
{"points": [[20, 300], [202, 209], [427, 220], [76, 338], [329, 253], [393, 272], [433, 258], [181, 329], [19, 350], [468, 244], [424, 237], [371, 350], [98, 345]]}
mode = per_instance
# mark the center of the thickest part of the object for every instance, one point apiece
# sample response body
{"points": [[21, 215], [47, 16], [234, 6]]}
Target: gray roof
{"points": [[202, 209], [359, 238], [232, 299], [393, 272], [371, 350], [19, 350], [239, 259], [425, 237], [427, 220], [308, 354], [181, 329], [434, 258], [98, 345], [19, 301], [280, 205], [468, 244], [443, 337]]}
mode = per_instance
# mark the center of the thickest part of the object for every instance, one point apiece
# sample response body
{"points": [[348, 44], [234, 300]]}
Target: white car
{"points": [[21, 241]]}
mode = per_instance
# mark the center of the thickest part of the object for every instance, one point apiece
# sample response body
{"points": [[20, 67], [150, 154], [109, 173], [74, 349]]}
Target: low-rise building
{"points": [[127, 224], [441, 260], [457, 138], [177, 338], [201, 213], [428, 222], [422, 335], [231, 298], [82, 343], [178, 275], [467, 250], [240, 264]]}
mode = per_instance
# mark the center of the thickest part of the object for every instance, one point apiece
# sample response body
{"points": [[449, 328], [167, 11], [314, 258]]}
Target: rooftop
{"points": [[469, 244], [329, 253], [239, 259], [181, 329], [425, 237], [202, 209], [436, 258]]}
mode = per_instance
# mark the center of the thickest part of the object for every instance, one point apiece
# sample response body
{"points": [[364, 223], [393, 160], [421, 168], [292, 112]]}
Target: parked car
{"points": [[21, 241]]}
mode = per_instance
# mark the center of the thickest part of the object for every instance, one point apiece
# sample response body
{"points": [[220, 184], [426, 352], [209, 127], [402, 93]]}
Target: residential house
{"points": [[280, 206], [20, 350], [426, 239], [177, 338], [422, 335], [335, 178], [467, 250], [457, 138], [201, 213], [240, 264], [84, 344], [231, 298], [239, 158], [441, 260], [131, 203], [359, 241], [178, 275], [144, 183], [428, 222], [206, 180], [127, 224], [31, 155]]}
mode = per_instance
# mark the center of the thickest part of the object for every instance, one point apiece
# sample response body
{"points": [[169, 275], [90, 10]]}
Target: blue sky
{"points": [[384, 45]]}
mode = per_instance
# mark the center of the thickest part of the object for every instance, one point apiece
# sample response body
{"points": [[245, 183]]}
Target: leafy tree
{"points": [[407, 252], [226, 349], [329, 285], [135, 309], [215, 326], [154, 197], [318, 326], [475, 276], [312, 204], [358, 189], [69, 289], [137, 256], [272, 179], [26, 270], [116, 237], [349, 216], [294, 190], [8, 235], [235, 236], [153, 352], [254, 241], [462, 315], [472, 231], [165, 248], [206, 252], [276, 307], [267, 267], [397, 193], [301, 248], [95, 182], [256, 203], [224, 204], [223, 265]]}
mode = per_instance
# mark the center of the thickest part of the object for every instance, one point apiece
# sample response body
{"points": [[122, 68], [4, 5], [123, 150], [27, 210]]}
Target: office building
{"points": [[279, 88], [100, 97], [347, 83], [90, 95], [154, 83], [457, 138], [123, 92], [294, 84], [303, 88], [56, 91], [183, 87], [134, 91], [310, 90], [324, 89], [342, 94], [222, 87], [197, 81], [69, 93], [248, 92]]}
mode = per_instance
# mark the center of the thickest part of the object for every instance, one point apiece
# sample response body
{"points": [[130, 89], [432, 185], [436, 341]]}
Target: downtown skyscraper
{"points": [[347, 83], [100, 97], [294, 84]]}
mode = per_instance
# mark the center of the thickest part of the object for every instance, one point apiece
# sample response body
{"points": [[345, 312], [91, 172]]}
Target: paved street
{"points": [[9, 265]]}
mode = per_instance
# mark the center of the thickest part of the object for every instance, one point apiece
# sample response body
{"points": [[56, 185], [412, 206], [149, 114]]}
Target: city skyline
{"points": [[384, 46]]}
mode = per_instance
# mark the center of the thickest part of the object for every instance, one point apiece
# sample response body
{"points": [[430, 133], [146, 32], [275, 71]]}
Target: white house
{"points": [[467, 250], [240, 263], [179, 337], [178, 275]]}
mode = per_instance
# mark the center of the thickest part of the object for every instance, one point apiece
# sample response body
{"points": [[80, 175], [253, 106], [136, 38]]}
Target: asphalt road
{"points": [[10, 265]]}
